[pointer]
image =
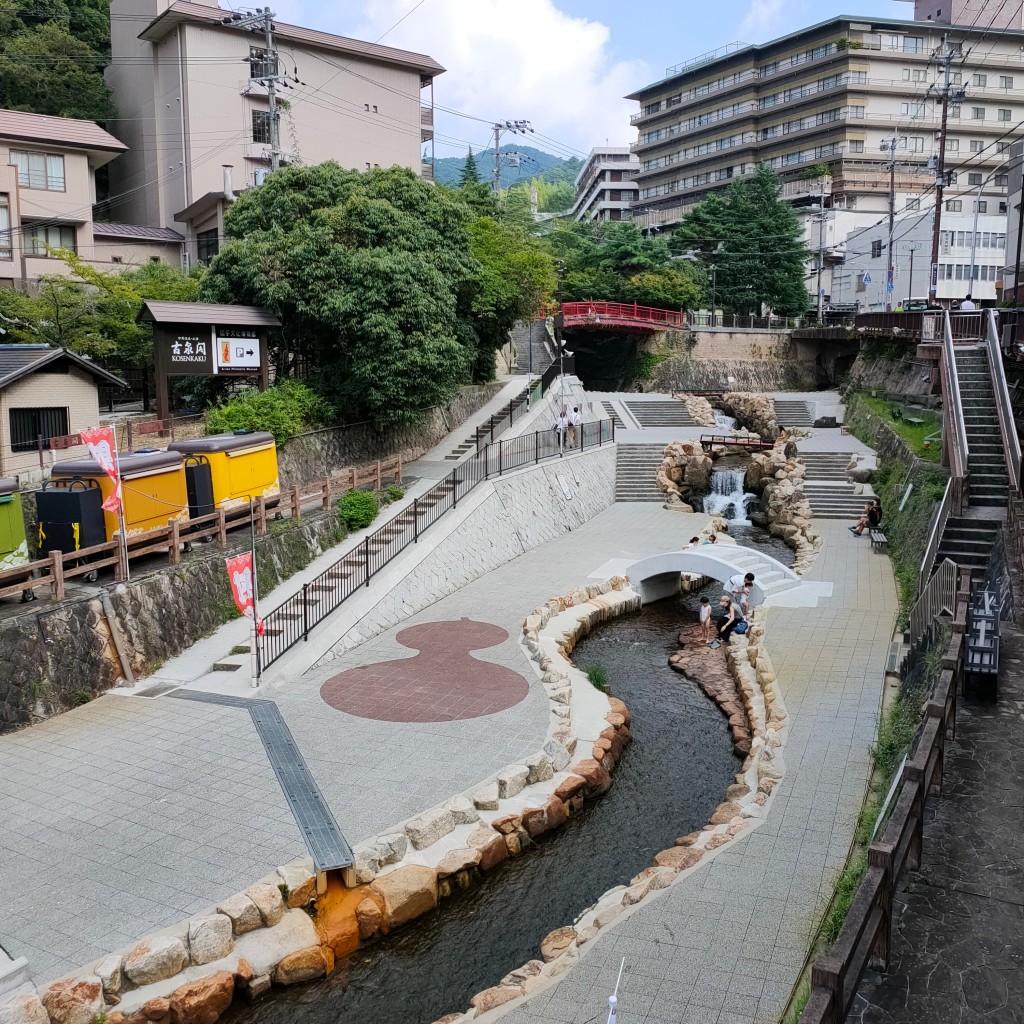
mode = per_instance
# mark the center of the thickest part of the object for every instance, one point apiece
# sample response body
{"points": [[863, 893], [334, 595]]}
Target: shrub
{"points": [[394, 493], [598, 675], [357, 509], [284, 410]]}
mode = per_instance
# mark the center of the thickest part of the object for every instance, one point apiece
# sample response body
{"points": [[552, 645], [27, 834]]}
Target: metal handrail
{"points": [[938, 527], [955, 433], [1004, 406], [937, 598]]}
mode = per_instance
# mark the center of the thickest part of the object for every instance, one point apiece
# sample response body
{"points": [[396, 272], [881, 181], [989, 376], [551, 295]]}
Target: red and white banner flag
{"points": [[240, 578], [102, 447]]}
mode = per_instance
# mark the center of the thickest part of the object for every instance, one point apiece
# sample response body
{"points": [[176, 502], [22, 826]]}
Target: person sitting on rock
{"points": [[728, 620], [871, 518], [739, 587]]}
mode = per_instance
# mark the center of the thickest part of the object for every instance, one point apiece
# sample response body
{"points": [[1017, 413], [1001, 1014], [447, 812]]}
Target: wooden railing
{"points": [[1004, 403], [954, 437], [54, 570], [864, 940]]}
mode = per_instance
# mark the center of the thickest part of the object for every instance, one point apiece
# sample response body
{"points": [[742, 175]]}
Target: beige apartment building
{"points": [[193, 115], [47, 190], [830, 96], [605, 187]]}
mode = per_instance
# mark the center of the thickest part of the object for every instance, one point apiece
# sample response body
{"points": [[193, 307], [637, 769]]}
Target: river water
{"points": [[669, 781]]}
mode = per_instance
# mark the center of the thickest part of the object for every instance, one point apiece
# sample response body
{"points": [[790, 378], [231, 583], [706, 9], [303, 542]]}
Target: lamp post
{"points": [[912, 247], [714, 303], [559, 324]]}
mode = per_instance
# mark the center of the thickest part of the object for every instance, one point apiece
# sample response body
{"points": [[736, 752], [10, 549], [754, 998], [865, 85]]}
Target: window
{"points": [[858, 78], [1005, 81], [1002, 180], [28, 425], [977, 113], [207, 245], [979, 81], [261, 126], [1004, 114], [856, 145], [913, 44], [973, 179], [954, 110], [977, 145], [39, 170], [770, 69], [915, 143], [981, 206], [819, 51], [914, 203], [6, 252], [915, 75], [956, 78], [39, 238], [260, 66], [876, 248], [856, 112], [915, 109], [1002, 207], [1002, 147], [952, 145], [954, 205]]}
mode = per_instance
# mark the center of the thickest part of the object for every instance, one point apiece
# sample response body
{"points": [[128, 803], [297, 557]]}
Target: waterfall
{"points": [[727, 498], [723, 422]]}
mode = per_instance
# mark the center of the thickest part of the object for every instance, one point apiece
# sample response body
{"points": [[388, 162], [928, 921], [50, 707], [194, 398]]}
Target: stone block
{"points": [[301, 883], [455, 861], [155, 959], [26, 1008], [110, 971], [486, 799], [203, 1001], [491, 845], [243, 913], [209, 938], [370, 919], [512, 780], [269, 902], [74, 1000], [462, 810], [557, 754], [555, 943], [425, 830], [679, 857], [496, 996], [302, 966], [539, 767], [408, 891]]}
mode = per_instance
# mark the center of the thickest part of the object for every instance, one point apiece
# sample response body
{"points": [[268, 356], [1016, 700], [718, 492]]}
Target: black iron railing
{"points": [[291, 622]]}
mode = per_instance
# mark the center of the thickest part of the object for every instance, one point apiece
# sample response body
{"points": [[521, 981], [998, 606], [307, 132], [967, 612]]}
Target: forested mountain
{"points": [[532, 163]]}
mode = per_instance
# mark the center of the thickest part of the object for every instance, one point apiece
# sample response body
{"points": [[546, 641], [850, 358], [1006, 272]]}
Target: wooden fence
{"points": [[864, 941], [54, 570]]}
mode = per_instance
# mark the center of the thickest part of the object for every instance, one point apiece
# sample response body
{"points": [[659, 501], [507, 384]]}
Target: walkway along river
{"points": [[669, 782]]}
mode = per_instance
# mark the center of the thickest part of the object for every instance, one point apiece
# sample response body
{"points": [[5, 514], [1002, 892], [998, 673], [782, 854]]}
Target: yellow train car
{"points": [[152, 488], [241, 465]]}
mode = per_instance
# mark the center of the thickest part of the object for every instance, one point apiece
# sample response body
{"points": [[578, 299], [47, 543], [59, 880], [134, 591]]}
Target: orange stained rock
{"points": [[336, 922]]}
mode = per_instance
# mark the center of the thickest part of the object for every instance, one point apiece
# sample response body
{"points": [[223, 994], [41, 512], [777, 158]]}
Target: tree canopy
{"points": [[470, 175], [389, 292], [52, 55], [754, 241]]}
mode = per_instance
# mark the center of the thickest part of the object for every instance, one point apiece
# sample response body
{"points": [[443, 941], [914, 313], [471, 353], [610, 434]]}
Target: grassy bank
{"points": [[868, 412]]}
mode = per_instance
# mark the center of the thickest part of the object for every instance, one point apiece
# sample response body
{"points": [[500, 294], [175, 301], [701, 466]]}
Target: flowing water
{"points": [[727, 497], [724, 423]]}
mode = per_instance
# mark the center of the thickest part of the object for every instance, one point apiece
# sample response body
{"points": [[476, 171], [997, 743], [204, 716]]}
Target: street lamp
{"points": [[912, 247], [714, 298]]}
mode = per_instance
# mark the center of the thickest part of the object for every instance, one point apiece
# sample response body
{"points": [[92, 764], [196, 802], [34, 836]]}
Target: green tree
{"points": [[754, 239], [470, 175], [372, 276]]}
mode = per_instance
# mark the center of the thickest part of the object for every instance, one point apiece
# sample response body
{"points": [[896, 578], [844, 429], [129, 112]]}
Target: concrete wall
{"points": [[733, 345], [512, 515]]}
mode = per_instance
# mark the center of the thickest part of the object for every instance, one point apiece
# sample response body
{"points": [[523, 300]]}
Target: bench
{"points": [[914, 421], [878, 541]]}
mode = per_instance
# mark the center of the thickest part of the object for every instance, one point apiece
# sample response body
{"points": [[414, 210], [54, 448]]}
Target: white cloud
{"points": [[762, 18], [523, 60]]}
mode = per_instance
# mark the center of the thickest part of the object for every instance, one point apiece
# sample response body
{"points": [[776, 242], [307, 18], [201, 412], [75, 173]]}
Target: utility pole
{"points": [[889, 146], [499, 128], [943, 55], [1020, 239], [263, 22], [559, 322], [912, 247], [822, 217]]}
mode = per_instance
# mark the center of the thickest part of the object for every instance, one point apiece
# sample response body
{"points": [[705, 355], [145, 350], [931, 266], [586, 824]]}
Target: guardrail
{"points": [[938, 525], [864, 940], [937, 598], [54, 570], [954, 435], [744, 321], [594, 312], [291, 622], [1004, 405]]}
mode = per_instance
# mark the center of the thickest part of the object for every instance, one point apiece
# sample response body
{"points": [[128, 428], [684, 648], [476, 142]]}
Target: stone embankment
{"points": [[684, 474], [754, 411], [290, 927], [700, 409], [778, 477]]}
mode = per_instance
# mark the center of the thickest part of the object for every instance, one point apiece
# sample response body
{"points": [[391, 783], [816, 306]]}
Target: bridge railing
{"points": [[594, 311], [743, 321]]}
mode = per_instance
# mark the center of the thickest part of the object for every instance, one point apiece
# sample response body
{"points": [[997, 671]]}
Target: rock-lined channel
{"points": [[669, 782]]}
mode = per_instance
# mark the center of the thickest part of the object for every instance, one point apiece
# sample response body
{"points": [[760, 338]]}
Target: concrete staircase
{"points": [[830, 494], [616, 419], [968, 542], [488, 429], [532, 335], [793, 413], [767, 572], [990, 482], [669, 413], [636, 467]]}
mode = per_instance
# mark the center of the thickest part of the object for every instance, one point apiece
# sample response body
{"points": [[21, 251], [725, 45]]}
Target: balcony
{"points": [[807, 188], [427, 116], [427, 171]]}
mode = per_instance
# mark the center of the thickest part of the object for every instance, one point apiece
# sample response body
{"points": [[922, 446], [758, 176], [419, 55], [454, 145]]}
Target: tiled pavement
{"points": [[129, 813], [958, 929], [725, 945]]}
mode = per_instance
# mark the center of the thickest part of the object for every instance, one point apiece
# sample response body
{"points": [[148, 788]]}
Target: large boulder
{"points": [[154, 959], [74, 1000], [26, 1008], [408, 891], [243, 913], [203, 1001], [209, 938], [300, 883], [304, 965], [430, 826], [269, 901]]}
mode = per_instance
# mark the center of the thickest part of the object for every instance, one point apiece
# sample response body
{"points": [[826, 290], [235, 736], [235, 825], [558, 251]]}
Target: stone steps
{"points": [[670, 413], [636, 469], [793, 413]]}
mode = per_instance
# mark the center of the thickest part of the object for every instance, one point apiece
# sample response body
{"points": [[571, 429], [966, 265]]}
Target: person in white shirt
{"points": [[739, 586], [561, 426], [968, 304], [575, 420]]}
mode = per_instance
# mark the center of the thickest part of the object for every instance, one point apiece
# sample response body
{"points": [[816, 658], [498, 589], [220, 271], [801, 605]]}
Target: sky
{"points": [[563, 65]]}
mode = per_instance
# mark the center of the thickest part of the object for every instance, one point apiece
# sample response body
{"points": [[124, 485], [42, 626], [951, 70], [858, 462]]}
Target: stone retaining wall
{"points": [[58, 655]]}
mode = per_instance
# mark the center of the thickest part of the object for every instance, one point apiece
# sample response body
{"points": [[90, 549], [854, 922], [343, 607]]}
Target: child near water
{"points": [[705, 619]]}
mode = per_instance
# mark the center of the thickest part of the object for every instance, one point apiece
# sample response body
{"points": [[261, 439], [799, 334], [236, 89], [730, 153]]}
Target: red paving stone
{"points": [[442, 683]]}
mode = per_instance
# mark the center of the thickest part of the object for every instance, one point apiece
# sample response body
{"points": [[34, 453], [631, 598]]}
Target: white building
{"points": [[606, 187], [971, 260]]}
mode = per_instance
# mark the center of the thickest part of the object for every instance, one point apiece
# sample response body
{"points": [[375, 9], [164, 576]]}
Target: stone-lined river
{"points": [[668, 783]]}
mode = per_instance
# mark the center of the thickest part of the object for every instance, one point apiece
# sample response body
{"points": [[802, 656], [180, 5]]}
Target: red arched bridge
{"points": [[600, 315]]}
